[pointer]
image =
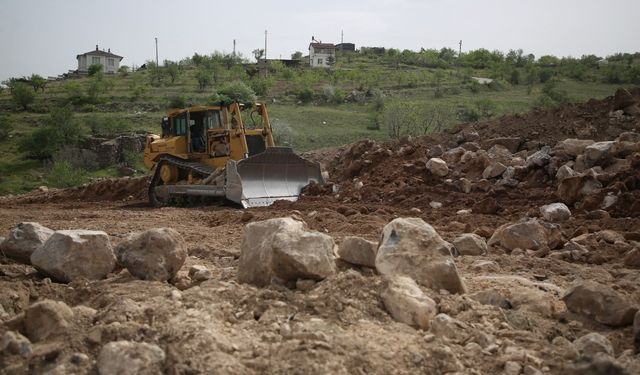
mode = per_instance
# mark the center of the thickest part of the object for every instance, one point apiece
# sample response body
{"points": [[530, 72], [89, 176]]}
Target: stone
{"points": [[284, 250], [411, 247], [74, 254], [539, 158], [444, 359], [437, 167], [23, 240], [155, 254], [357, 250], [512, 368], [555, 212], [491, 297], [407, 303], [487, 206], [130, 358], [572, 189], [305, 284], [495, 169], [573, 147], [601, 303], [593, 343], [622, 99], [465, 185], [470, 244], [528, 235], [598, 153], [511, 143], [565, 347], [445, 326], [435, 205], [199, 273], [564, 172], [14, 343], [47, 319]]}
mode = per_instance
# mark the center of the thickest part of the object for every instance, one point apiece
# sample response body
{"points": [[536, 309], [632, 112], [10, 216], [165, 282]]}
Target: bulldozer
{"points": [[209, 151]]}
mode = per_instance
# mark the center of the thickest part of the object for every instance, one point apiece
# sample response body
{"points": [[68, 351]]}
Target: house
{"points": [[347, 47], [321, 54], [110, 62]]}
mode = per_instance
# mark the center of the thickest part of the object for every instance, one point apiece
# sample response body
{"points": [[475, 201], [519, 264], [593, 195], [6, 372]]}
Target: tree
{"points": [[60, 129], [22, 95], [37, 82], [331, 60], [258, 53], [173, 70], [297, 55], [204, 79], [95, 69]]}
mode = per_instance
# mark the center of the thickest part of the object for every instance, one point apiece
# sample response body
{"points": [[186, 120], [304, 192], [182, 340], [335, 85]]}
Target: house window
{"points": [[319, 61], [95, 60], [110, 62]]}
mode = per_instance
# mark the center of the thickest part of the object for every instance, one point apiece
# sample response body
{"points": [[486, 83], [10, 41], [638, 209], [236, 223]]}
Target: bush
{"points": [[378, 99], [63, 175], [37, 82], [177, 101], [482, 109], [545, 75], [95, 69], [551, 96], [283, 134], [5, 128], [22, 95], [261, 85], [236, 91], [60, 129], [107, 126], [305, 95], [404, 119], [204, 79]]}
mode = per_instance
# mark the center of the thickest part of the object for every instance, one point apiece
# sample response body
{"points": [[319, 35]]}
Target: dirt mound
{"points": [[111, 189]]}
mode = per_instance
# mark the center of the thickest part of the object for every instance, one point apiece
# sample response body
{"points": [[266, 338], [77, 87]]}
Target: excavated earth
{"points": [[340, 324]]}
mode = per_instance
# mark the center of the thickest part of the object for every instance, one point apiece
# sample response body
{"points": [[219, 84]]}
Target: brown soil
{"points": [[339, 326]]}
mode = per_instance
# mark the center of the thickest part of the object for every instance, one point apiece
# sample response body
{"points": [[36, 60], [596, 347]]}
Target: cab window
{"points": [[212, 120], [180, 124]]}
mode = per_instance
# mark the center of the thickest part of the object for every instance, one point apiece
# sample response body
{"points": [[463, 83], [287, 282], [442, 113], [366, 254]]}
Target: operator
{"points": [[197, 142]]}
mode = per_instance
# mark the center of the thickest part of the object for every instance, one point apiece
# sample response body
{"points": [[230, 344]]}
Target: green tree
{"points": [[258, 53], [22, 95], [60, 129], [297, 55], [204, 78], [236, 91], [37, 82], [173, 70], [95, 69]]}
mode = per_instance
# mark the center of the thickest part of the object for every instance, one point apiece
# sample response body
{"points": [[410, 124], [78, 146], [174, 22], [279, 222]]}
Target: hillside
{"points": [[362, 96]]}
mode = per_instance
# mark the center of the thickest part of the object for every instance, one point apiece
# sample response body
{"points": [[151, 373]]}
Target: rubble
{"points": [[470, 244], [601, 303], [357, 250], [23, 240], [129, 358], [592, 343], [46, 319]]}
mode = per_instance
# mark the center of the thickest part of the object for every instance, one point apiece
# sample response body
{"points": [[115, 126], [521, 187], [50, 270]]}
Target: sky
{"points": [[44, 36]]}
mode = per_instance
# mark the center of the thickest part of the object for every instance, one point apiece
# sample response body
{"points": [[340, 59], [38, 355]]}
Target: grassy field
{"points": [[355, 99]]}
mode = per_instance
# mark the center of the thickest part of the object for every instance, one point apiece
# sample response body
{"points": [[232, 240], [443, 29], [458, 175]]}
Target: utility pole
{"points": [[460, 48], [265, 45], [341, 36], [234, 48], [157, 52]]}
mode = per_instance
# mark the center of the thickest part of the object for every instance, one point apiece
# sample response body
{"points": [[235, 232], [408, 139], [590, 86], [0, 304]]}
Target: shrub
{"points": [[95, 69], [75, 94], [551, 96], [5, 128], [403, 119], [305, 95], [378, 99], [107, 126], [37, 82], [177, 101], [63, 175], [283, 134], [545, 75], [60, 129], [204, 79], [261, 85], [124, 70], [236, 91], [22, 95]]}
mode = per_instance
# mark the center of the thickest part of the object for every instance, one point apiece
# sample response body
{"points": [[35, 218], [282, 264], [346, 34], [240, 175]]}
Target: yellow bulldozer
{"points": [[208, 151]]}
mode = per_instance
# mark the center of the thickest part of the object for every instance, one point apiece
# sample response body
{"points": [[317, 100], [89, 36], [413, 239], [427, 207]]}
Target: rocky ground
{"points": [[504, 247]]}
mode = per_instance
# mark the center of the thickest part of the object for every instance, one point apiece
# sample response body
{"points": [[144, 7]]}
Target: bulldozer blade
{"points": [[276, 174]]}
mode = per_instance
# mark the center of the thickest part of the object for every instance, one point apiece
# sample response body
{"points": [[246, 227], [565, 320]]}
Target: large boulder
{"points": [[572, 189], [555, 212], [511, 143], [437, 167], [495, 169], [592, 343], [601, 303], [155, 254], [527, 235], [73, 254], [46, 319], [470, 244], [407, 303], [23, 240], [130, 358], [283, 250], [411, 247], [539, 158], [357, 250], [599, 153]]}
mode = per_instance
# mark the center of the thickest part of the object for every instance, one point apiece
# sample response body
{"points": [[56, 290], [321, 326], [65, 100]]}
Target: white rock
{"points": [[565, 172], [435, 205], [463, 212], [357, 250], [73, 254], [407, 303], [555, 212], [465, 185], [598, 153], [156, 254], [512, 368], [470, 244], [283, 250], [437, 167], [46, 319], [23, 240], [130, 358], [445, 326], [572, 146], [411, 247], [199, 273], [592, 343], [539, 158]]}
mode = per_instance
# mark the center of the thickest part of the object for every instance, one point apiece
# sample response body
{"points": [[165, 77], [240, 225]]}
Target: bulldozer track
{"points": [[201, 169]]}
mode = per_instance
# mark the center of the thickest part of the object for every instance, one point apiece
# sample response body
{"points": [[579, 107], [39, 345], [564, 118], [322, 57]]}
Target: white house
{"points": [[320, 54], [110, 62]]}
